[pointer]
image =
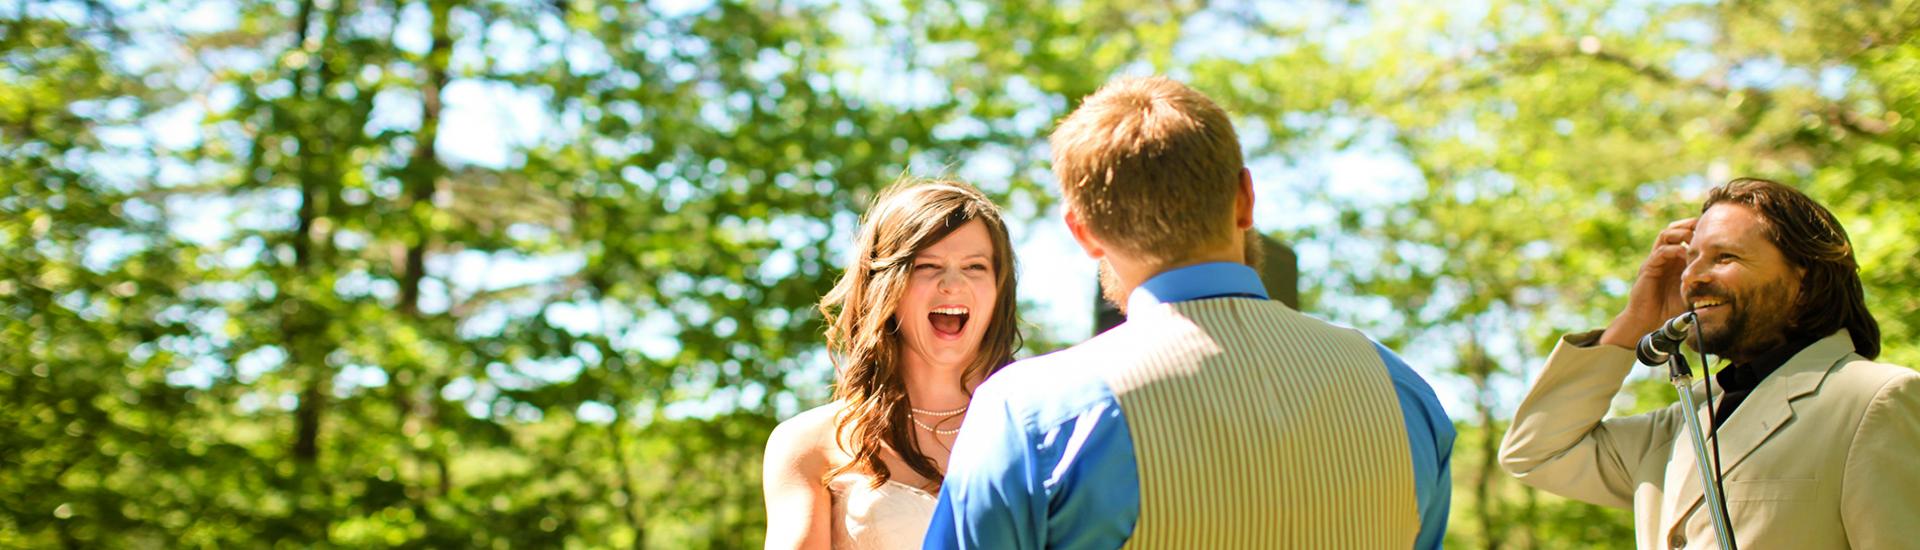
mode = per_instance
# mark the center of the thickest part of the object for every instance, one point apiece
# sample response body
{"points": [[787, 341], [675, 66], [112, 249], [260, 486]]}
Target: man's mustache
{"points": [[1704, 291]]}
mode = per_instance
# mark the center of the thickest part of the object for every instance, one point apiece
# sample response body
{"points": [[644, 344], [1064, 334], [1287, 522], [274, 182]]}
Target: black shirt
{"points": [[1739, 380]]}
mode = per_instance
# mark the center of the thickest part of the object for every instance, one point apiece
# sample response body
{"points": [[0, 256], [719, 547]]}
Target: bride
{"points": [[922, 315]]}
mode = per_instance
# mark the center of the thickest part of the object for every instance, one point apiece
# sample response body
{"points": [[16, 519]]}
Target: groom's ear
{"points": [[1082, 235], [1243, 202]]}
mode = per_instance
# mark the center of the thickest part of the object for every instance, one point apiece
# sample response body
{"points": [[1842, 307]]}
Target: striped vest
{"points": [[1255, 426]]}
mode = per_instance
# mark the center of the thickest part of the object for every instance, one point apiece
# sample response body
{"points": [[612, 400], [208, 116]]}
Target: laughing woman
{"points": [[922, 315]]}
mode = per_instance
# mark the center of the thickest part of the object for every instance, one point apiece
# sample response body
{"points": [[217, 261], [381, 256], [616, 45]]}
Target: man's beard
{"points": [[1757, 322], [1110, 287], [1254, 256]]}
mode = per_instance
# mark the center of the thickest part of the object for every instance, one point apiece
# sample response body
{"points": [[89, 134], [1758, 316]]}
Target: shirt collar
{"points": [[1195, 282], [1746, 376]]}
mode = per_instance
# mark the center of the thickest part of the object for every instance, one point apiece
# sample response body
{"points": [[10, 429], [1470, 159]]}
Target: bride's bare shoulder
{"points": [[805, 441]]}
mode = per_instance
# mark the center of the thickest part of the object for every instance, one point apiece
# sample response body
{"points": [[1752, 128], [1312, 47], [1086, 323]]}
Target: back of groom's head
{"points": [[1152, 167]]}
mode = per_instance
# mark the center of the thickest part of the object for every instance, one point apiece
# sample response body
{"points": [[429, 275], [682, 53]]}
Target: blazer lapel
{"points": [[1764, 412]]}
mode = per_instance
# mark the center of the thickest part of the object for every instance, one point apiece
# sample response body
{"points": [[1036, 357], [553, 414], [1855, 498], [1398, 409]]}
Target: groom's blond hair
{"points": [[1151, 166]]}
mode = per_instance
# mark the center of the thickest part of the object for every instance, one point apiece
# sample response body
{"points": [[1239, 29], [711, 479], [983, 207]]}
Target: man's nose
{"points": [[1696, 273]]}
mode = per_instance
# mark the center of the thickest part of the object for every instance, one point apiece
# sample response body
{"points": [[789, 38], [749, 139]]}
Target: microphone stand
{"points": [[1682, 378]]}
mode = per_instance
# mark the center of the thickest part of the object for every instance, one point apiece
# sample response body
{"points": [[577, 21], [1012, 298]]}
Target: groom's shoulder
{"points": [[1049, 389]]}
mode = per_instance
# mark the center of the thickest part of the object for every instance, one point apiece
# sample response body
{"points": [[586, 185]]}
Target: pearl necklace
{"points": [[923, 426], [963, 408]]}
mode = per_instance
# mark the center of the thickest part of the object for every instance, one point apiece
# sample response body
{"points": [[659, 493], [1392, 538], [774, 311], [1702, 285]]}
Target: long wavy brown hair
{"points": [[1831, 296], [863, 334]]}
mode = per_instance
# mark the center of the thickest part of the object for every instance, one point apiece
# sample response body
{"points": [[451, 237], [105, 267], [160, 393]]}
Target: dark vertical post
{"points": [[1279, 270]]}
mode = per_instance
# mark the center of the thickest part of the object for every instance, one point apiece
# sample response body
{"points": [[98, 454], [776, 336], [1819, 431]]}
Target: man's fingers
{"points": [[1668, 254], [1674, 236], [1677, 232]]}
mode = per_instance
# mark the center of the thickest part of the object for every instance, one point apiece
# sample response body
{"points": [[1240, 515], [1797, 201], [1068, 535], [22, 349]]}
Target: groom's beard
{"points": [[1255, 256], [1110, 287]]}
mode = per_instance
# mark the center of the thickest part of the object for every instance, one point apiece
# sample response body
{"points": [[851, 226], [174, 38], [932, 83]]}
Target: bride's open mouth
{"points": [[948, 321]]}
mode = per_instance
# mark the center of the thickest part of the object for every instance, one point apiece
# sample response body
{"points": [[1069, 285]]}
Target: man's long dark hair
{"points": [[1831, 297]]}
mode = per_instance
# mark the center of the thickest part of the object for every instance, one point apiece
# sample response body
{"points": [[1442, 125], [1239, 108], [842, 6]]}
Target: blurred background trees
{"points": [[474, 274]]}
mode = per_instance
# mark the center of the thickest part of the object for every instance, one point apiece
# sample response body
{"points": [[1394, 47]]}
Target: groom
{"points": [[1213, 417]]}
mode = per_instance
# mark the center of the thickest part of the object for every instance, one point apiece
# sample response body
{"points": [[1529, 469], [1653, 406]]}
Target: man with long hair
{"points": [[1815, 439], [1213, 417]]}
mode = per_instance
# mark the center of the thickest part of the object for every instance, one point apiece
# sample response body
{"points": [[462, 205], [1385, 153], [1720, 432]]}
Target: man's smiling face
{"points": [[1740, 285]]}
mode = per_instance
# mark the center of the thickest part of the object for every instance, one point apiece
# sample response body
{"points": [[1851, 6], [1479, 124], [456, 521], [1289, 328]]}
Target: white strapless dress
{"points": [[895, 515]]}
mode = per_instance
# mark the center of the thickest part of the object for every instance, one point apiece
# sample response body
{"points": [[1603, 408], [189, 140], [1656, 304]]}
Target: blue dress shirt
{"points": [[1046, 460]]}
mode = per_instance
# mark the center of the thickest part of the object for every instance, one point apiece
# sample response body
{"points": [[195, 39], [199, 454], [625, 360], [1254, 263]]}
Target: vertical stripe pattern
{"points": [[1257, 427]]}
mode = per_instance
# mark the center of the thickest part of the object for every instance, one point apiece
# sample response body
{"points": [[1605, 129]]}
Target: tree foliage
{"points": [[259, 291]]}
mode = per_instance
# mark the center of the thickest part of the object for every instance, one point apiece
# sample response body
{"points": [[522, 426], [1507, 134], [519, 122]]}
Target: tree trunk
{"points": [[1480, 368], [424, 169], [632, 508], [297, 324]]}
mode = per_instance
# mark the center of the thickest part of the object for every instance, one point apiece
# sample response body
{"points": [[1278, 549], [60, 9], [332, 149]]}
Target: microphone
{"points": [[1657, 345]]}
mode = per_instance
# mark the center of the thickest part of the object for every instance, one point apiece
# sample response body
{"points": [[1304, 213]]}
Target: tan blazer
{"points": [[1825, 453]]}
